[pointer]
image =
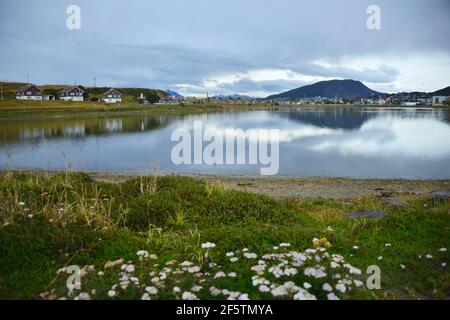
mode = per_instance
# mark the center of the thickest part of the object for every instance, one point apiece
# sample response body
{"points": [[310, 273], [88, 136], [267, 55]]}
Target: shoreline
{"points": [[286, 187], [54, 110]]}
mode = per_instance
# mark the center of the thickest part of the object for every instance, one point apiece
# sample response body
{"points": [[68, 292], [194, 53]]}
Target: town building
{"points": [[112, 96], [29, 92], [438, 100], [72, 94]]}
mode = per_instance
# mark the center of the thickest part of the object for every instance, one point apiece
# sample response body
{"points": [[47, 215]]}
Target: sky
{"points": [[249, 47]]}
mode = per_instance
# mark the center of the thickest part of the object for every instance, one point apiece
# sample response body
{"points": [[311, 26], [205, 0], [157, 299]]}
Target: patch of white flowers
{"points": [[284, 273]]}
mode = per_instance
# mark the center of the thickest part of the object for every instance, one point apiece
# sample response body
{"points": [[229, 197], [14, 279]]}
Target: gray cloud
{"points": [[162, 44]]}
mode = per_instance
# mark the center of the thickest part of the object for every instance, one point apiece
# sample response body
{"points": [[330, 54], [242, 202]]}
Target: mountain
{"points": [[332, 88], [173, 93], [442, 92]]}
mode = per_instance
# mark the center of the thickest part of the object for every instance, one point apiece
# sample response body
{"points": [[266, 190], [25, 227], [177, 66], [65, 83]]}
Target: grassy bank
{"points": [[50, 222], [10, 109]]}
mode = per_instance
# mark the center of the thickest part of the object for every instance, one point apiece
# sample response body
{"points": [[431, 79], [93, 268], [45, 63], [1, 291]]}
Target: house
{"points": [[112, 96], [409, 104], [29, 92], [438, 100], [72, 94], [447, 101]]}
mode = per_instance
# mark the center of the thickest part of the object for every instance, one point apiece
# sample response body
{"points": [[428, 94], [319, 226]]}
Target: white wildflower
{"points": [[129, 268], [358, 283], [111, 264], [220, 274], [316, 273], [290, 271], [208, 245], [186, 264], [264, 288], [142, 254], [230, 254], [232, 274], [332, 296], [214, 291], [176, 289], [304, 295], [334, 265], [307, 285], [244, 296], [84, 296], [234, 259], [249, 255], [193, 269], [341, 287], [326, 287], [188, 296], [111, 293], [145, 296], [443, 250], [196, 288], [151, 290]]}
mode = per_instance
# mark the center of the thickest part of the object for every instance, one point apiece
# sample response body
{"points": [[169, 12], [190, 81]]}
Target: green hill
{"points": [[152, 95]]}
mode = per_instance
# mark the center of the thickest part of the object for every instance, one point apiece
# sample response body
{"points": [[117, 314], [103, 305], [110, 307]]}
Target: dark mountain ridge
{"points": [[331, 89]]}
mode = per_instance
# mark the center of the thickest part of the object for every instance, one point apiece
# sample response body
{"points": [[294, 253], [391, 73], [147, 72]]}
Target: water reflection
{"points": [[376, 143], [38, 130]]}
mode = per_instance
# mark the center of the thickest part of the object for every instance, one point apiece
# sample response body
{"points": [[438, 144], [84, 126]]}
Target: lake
{"points": [[327, 142]]}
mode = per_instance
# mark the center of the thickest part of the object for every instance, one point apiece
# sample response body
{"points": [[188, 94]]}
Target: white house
{"points": [[438, 100], [72, 94], [112, 96], [29, 92]]}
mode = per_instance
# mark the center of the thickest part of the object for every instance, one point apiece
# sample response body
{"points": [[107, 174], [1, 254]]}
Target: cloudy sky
{"points": [[253, 47]]}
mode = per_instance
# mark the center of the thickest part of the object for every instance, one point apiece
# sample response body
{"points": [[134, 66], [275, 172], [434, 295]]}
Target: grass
{"points": [[78, 221], [57, 108]]}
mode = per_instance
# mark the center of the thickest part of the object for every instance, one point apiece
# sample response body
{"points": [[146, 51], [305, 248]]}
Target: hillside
{"points": [[332, 88], [442, 92], [9, 91]]}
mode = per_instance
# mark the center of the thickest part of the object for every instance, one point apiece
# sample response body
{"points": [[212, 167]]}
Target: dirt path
{"points": [[308, 188], [331, 188], [303, 188]]}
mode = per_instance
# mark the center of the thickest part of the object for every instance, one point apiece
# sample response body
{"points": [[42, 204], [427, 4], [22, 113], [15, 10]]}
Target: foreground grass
{"points": [[50, 222]]}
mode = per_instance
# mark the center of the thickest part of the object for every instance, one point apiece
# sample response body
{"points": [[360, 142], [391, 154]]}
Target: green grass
{"points": [[78, 221], [43, 109]]}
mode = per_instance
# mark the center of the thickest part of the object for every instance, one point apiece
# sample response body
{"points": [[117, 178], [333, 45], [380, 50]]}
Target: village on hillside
{"points": [[79, 94]]}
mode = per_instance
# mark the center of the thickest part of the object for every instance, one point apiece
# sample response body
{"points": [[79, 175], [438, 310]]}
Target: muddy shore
{"points": [[305, 188]]}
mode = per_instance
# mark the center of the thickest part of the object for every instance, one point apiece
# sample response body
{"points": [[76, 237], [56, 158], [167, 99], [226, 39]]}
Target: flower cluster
{"points": [[311, 274]]}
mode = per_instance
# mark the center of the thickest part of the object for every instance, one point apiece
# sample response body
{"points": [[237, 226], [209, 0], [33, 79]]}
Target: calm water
{"points": [[362, 143]]}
